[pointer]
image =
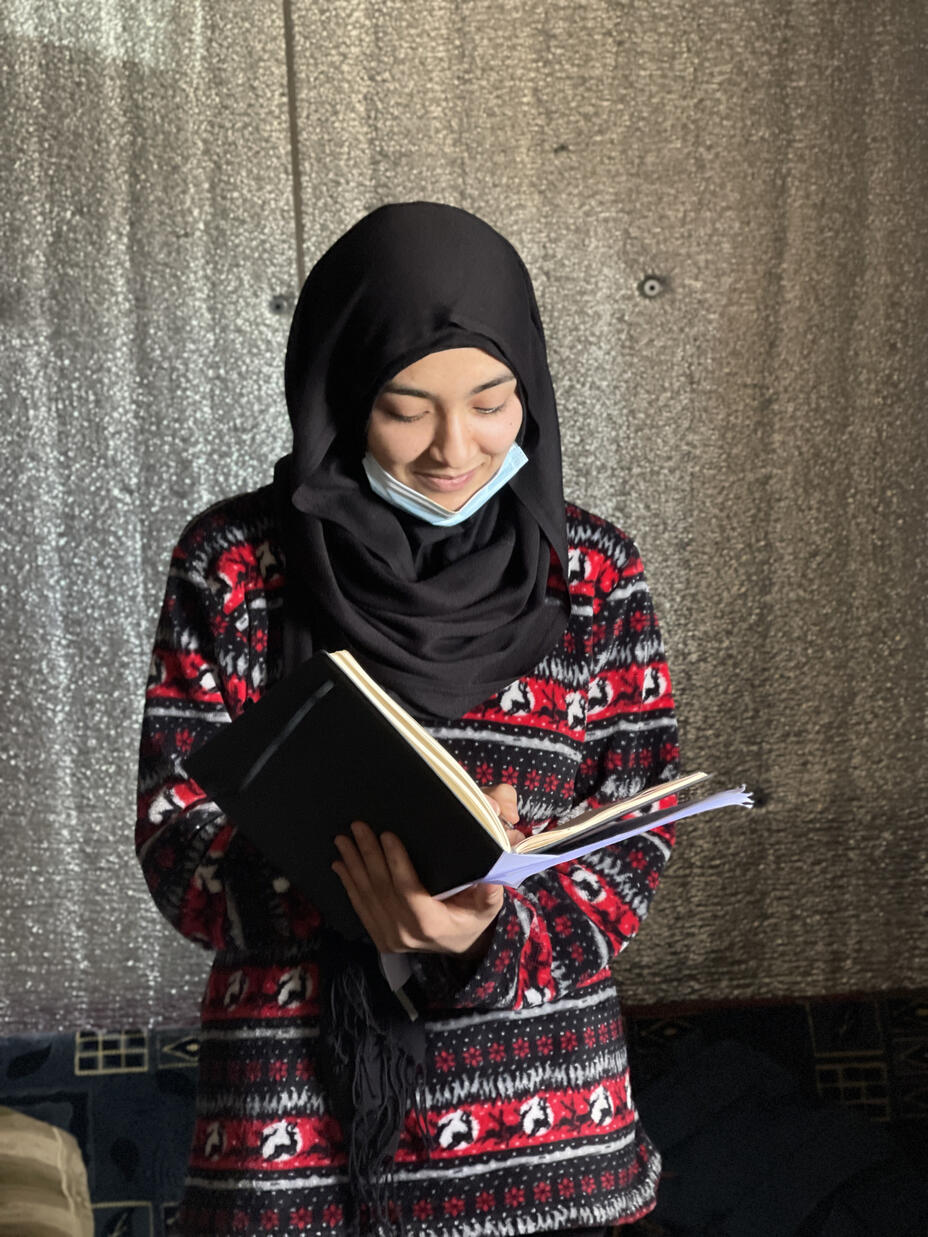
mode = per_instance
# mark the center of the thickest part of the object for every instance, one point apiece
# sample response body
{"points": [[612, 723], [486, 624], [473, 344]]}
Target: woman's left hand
{"points": [[398, 912]]}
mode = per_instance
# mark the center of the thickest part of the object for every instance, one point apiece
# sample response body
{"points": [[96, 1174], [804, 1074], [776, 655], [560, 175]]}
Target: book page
{"points": [[602, 815], [513, 868]]}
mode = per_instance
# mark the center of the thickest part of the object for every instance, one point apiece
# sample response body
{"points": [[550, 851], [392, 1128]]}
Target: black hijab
{"points": [[442, 617]]}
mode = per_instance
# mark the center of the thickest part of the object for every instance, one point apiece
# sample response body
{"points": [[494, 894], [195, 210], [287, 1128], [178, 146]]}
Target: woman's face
{"points": [[443, 425]]}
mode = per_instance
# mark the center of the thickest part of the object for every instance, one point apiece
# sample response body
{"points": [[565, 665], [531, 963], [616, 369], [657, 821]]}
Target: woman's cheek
{"points": [[497, 433], [509, 430], [398, 444]]}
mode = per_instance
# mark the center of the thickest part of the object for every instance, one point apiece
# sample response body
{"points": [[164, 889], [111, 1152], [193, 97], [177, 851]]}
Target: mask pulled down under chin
{"points": [[399, 495]]}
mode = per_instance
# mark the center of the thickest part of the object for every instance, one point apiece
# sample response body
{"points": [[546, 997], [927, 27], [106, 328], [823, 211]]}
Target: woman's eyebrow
{"points": [[393, 388]]}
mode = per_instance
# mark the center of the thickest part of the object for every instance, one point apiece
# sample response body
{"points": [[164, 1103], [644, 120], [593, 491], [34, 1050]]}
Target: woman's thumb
{"points": [[506, 799]]}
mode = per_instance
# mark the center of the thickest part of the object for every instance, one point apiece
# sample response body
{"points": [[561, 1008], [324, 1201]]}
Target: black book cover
{"points": [[314, 754]]}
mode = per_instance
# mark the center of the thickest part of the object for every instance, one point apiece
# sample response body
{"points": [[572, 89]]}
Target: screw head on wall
{"points": [[280, 303], [652, 286]]}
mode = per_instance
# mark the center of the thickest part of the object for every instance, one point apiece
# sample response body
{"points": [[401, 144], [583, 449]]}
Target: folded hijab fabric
{"points": [[442, 617]]}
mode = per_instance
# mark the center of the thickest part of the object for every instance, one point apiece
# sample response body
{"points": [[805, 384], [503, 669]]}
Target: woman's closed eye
{"points": [[407, 418], [398, 416]]}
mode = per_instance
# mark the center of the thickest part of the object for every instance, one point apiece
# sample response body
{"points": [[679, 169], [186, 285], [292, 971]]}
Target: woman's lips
{"points": [[444, 483]]}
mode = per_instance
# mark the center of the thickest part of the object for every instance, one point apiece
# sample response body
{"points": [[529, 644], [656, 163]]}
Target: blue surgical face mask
{"points": [[403, 496]]}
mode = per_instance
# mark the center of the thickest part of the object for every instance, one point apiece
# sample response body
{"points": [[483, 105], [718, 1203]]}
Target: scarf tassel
{"points": [[371, 1061]]}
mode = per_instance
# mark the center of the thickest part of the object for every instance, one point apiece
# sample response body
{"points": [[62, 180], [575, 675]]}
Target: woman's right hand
{"points": [[398, 913]]}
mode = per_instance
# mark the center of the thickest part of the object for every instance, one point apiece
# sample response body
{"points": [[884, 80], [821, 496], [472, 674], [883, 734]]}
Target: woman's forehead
{"points": [[449, 366]]}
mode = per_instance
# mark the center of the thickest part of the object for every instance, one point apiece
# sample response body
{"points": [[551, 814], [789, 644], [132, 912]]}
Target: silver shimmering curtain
{"points": [[169, 168]]}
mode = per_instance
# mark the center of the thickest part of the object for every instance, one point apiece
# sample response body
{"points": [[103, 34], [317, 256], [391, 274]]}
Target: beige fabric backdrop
{"points": [[758, 425]]}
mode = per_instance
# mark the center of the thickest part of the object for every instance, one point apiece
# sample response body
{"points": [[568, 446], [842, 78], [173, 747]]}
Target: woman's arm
{"points": [[208, 880]]}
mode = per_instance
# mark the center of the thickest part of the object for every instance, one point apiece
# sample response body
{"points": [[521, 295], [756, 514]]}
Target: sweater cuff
{"points": [[490, 982]]}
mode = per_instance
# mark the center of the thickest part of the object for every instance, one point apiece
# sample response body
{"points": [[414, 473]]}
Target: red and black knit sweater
{"points": [[528, 1122]]}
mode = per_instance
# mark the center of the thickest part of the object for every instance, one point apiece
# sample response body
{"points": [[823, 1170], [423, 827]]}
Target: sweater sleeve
{"points": [[561, 929], [209, 881]]}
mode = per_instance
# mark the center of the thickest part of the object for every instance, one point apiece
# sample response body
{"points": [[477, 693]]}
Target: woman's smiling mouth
{"points": [[445, 482]]}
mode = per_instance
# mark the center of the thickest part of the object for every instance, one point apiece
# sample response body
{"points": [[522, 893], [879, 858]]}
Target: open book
{"points": [[327, 745]]}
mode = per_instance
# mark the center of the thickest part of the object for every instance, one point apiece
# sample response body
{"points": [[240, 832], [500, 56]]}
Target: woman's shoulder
{"points": [[240, 527], [590, 534]]}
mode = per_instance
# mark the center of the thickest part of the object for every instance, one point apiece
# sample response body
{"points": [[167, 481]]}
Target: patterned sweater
{"points": [[526, 1121]]}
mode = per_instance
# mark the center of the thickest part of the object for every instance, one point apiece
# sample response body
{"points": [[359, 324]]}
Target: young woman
{"points": [[419, 522]]}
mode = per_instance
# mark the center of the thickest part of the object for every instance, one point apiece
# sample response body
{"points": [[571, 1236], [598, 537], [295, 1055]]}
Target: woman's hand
{"points": [[398, 913]]}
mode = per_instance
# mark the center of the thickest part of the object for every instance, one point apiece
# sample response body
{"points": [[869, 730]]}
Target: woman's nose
{"points": [[452, 440]]}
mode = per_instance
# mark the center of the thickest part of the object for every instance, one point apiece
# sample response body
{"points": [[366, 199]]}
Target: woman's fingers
{"points": [[362, 906], [364, 860], [368, 884], [506, 800], [405, 877], [353, 863], [371, 852], [383, 887]]}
